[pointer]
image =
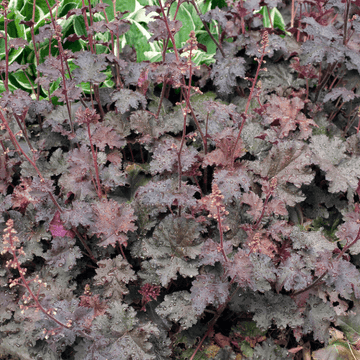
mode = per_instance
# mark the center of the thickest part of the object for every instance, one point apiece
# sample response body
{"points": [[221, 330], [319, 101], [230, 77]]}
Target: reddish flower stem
{"points": [[265, 42], [19, 148], [183, 81], [15, 263], [169, 31], [218, 45], [98, 187], [62, 70], [93, 51], [262, 212], [32, 31], [221, 235]]}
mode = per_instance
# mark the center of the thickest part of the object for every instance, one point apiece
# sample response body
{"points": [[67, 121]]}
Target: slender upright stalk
{"points": [[265, 42], [32, 162], [208, 30], [11, 241], [61, 52], [36, 52]]}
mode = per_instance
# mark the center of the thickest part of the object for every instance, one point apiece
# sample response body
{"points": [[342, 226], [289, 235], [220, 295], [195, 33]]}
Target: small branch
{"points": [[265, 43], [161, 98], [345, 248], [213, 322], [98, 187], [93, 51], [165, 43], [62, 70], [197, 124], [268, 11], [324, 80], [192, 44], [21, 151], [36, 52], [221, 235], [169, 32], [85, 245], [10, 240], [346, 16], [208, 30], [181, 146], [262, 212]]}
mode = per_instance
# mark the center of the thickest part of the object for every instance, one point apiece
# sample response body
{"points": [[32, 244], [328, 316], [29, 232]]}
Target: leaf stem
{"points": [[161, 98], [262, 212], [345, 248], [98, 187], [221, 234], [208, 30], [213, 322], [93, 51], [21, 151], [346, 16], [62, 70], [36, 52], [187, 99], [169, 32], [11, 239], [244, 115]]}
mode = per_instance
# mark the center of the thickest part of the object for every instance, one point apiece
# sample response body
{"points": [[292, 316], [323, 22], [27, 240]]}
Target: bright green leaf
{"points": [[187, 20], [276, 18], [79, 26], [14, 54], [19, 80], [65, 8], [11, 87]]}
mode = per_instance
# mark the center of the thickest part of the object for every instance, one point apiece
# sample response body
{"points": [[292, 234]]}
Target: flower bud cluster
{"points": [[10, 243], [192, 42], [216, 206], [265, 39]]}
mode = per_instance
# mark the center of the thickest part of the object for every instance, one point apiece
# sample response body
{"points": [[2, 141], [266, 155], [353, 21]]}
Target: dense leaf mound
{"points": [[195, 196]]}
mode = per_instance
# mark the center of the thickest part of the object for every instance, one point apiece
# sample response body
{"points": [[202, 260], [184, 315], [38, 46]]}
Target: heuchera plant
{"points": [[179, 210]]}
